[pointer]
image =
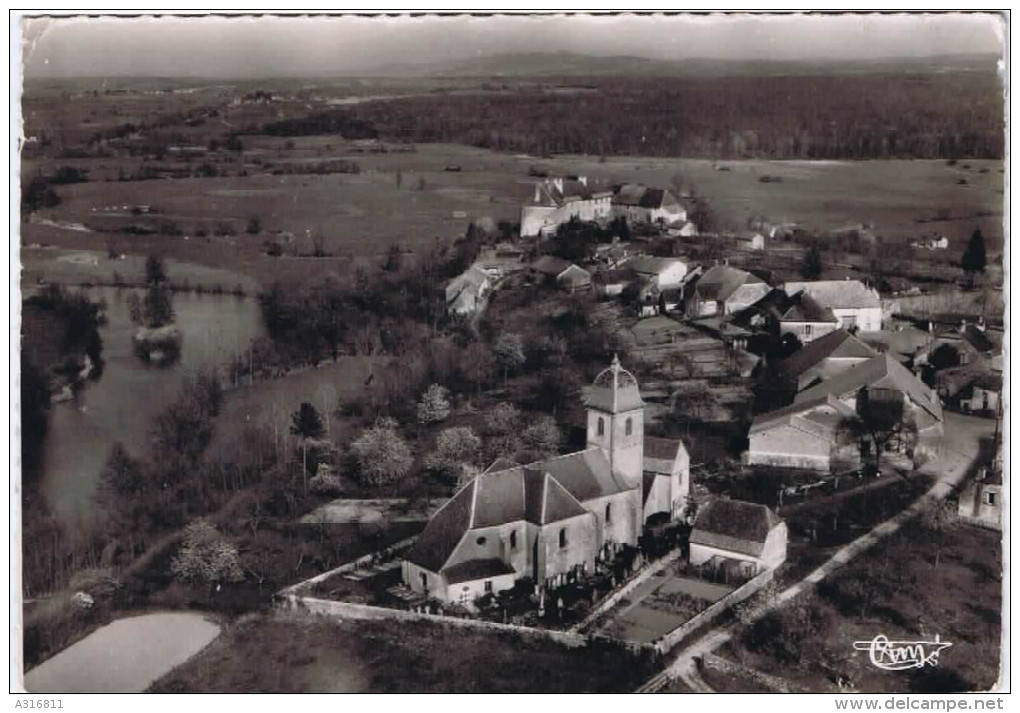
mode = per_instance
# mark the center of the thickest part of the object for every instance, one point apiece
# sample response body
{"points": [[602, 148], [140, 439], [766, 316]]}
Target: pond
{"points": [[122, 404], [126, 656]]}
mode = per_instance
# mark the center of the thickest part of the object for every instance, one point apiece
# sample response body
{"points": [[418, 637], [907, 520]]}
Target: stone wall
{"points": [[667, 642], [384, 554], [350, 610]]}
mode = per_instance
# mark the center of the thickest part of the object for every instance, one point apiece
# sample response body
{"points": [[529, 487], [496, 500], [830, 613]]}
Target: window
{"points": [[849, 321], [563, 538], [609, 513], [629, 426], [424, 582], [602, 426], [990, 498], [480, 540], [807, 330], [488, 586], [513, 540]]}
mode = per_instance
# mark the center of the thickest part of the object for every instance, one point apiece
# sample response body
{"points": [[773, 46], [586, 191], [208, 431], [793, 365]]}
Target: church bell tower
{"points": [[616, 421]]}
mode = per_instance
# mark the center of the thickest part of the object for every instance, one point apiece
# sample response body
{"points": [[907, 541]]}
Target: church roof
{"points": [[541, 493], [615, 390]]}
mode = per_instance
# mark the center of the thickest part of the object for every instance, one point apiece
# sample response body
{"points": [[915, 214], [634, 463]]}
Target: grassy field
{"points": [[904, 595], [272, 401], [280, 654]]}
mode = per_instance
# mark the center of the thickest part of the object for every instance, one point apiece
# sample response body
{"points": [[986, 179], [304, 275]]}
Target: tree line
{"points": [[951, 115]]}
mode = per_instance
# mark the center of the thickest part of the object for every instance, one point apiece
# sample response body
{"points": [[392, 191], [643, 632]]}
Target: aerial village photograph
{"points": [[521, 353]]}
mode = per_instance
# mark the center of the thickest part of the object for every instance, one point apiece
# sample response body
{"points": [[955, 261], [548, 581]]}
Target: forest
{"points": [[867, 116]]}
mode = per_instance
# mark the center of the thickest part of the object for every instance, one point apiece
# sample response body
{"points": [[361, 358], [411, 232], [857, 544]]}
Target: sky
{"points": [[295, 46]]}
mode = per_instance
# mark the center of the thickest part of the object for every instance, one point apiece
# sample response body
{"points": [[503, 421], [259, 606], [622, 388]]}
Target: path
{"points": [[962, 445]]}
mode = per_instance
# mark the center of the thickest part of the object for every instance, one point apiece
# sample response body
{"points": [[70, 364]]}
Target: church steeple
{"points": [[616, 420]]}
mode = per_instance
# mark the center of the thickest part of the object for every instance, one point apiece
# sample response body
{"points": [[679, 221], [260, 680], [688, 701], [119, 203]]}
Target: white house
{"points": [[728, 532], [723, 290], [751, 241], [661, 272], [643, 204], [465, 292], [806, 319], [556, 200], [853, 304]]}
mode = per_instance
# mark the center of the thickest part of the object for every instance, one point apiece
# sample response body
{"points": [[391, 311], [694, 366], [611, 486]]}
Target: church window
{"points": [[609, 513], [602, 426], [563, 538], [513, 540], [629, 426], [481, 540]]}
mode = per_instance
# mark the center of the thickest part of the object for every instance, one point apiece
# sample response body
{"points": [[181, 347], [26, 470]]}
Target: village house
{"points": [[805, 433], [981, 500], [643, 204], [855, 306], [564, 274], [822, 359], [906, 344], [723, 290], [556, 201], [739, 537], [935, 242], [612, 283], [806, 319], [552, 520], [661, 272], [466, 292], [751, 240], [970, 389], [500, 260]]}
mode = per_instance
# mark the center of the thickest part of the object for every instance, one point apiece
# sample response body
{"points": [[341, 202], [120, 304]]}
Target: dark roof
{"points": [[662, 448], [734, 525], [719, 282], [838, 344], [804, 308], [614, 390], [476, 569], [542, 492], [978, 339], [550, 265], [652, 198], [879, 372], [444, 531]]}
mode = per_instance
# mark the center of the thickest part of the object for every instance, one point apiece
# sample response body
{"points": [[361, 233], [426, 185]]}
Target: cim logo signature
{"points": [[902, 655]]}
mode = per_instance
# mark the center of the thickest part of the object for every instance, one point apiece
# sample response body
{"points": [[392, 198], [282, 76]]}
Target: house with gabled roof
{"points": [[806, 319], [661, 272], [728, 532], [823, 358], [723, 290], [639, 203], [804, 434], [855, 305], [562, 273], [552, 520], [465, 293], [556, 201]]}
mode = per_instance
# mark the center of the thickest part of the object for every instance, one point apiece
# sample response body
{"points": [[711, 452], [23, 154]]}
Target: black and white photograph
{"points": [[523, 353]]}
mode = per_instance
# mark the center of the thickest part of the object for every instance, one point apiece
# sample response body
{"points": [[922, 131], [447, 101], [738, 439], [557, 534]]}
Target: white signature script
{"points": [[902, 655]]}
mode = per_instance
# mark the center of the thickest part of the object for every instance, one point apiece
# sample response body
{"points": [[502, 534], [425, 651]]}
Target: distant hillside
{"points": [[568, 64]]}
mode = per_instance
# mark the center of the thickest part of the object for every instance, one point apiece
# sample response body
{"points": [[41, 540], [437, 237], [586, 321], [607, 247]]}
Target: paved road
{"points": [[962, 445]]}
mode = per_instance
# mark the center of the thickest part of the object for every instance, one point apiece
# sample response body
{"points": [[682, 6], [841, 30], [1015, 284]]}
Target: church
{"points": [[554, 518]]}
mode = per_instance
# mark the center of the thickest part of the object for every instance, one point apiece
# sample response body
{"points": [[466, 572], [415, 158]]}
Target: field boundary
{"points": [[367, 612], [614, 598], [668, 641]]}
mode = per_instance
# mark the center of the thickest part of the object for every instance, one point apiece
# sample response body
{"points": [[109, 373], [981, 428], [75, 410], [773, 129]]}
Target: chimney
{"points": [[558, 182], [583, 180], [963, 325], [537, 190], [931, 327]]}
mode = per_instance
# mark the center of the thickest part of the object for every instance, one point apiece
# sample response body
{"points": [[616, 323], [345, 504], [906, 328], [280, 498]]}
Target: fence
{"points": [[668, 641], [350, 610], [611, 601]]}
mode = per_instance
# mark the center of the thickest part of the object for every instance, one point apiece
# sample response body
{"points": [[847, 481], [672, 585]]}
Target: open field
{"points": [[901, 590], [281, 654], [269, 402]]}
